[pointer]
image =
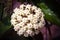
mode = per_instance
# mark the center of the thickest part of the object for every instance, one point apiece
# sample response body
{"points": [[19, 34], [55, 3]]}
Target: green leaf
{"points": [[4, 25], [3, 28], [49, 15]]}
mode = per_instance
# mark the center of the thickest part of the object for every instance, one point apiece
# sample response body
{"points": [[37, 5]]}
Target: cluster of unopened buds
{"points": [[27, 20]]}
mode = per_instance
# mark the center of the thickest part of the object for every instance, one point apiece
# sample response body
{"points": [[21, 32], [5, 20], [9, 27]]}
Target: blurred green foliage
{"points": [[5, 12], [49, 15]]}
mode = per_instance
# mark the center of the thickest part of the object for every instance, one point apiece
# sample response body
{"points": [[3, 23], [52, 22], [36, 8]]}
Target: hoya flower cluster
{"points": [[27, 20]]}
